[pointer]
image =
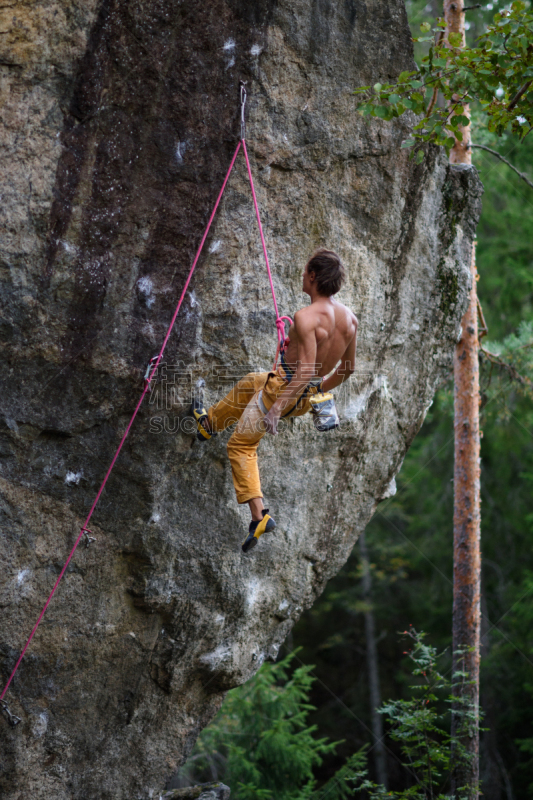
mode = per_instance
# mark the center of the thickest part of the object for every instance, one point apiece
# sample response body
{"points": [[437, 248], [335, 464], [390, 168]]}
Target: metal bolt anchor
{"points": [[88, 539], [12, 719]]}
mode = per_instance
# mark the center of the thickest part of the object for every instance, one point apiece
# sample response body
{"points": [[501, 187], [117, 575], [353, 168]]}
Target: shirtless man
{"points": [[322, 339]]}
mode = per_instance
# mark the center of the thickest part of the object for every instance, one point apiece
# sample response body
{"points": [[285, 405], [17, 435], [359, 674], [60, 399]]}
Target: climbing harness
{"points": [[149, 376], [323, 409]]}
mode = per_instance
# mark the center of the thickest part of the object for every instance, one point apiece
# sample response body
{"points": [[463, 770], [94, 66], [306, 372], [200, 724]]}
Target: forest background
{"points": [[410, 539]]}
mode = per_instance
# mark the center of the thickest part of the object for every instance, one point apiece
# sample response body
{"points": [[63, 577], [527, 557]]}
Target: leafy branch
{"points": [[498, 74]]}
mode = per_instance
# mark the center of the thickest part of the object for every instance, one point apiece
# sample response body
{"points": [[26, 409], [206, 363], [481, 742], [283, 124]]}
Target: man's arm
{"points": [[345, 368], [304, 328]]}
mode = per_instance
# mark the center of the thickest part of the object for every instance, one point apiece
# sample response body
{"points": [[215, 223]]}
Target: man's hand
{"points": [[271, 421]]}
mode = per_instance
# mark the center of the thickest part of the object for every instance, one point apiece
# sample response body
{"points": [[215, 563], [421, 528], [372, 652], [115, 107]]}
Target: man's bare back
{"points": [[324, 334], [334, 327]]}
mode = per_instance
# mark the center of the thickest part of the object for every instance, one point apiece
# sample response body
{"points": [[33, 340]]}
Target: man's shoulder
{"points": [[348, 311], [309, 316], [304, 316]]}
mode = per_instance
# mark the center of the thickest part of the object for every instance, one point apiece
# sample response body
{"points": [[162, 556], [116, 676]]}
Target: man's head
{"points": [[325, 272]]}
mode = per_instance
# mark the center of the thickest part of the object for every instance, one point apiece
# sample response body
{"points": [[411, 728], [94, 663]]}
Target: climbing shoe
{"points": [[256, 529], [200, 415]]}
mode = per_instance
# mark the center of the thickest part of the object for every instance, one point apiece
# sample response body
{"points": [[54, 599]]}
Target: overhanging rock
{"points": [[119, 120], [205, 791]]}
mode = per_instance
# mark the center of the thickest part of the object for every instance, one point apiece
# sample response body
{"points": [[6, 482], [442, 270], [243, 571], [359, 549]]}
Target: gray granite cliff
{"points": [[119, 118]]}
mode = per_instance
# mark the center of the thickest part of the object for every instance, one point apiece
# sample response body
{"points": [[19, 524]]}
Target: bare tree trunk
{"points": [[466, 530], [380, 755], [455, 23], [466, 518]]}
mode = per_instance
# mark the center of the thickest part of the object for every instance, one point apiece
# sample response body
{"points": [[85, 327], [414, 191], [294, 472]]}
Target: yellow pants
{"points": [[245, 406]]}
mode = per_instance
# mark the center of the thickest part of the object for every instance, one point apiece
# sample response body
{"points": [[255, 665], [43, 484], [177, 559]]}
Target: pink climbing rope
{"points": [[148, 380], [280, 325]]}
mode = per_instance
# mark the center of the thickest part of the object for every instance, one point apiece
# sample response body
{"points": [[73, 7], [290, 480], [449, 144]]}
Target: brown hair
{"points": [[329, 271]]}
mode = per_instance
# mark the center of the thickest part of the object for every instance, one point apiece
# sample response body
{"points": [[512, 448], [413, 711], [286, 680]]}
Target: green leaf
{"points": [[455, 39], [419, 156], [449, 142], [461, 120], [425, 26], [377, 87], [394, 98]]}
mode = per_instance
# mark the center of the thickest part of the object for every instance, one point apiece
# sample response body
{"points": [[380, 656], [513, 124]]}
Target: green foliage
{"points": [[342, 785], [525, 619], [505, 232], [262, 746], [497, 74], [415, 722], [265, 749], [420, 724], [508, 370]]}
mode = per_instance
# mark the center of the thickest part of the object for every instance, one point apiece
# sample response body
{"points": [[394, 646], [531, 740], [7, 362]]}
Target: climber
{"points": [[323, 334]]}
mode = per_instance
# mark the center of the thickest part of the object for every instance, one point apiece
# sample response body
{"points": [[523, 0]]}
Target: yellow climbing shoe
{"points": [[200, 415], [256, 529]]}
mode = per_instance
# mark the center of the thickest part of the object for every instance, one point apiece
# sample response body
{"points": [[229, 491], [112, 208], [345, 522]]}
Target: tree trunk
{"points": [[455, 23], [466, 518], [380, 755], [466, 574]]}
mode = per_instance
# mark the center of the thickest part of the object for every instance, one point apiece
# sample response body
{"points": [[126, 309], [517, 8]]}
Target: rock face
{"points": [[119, 118], [206, 791]]}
